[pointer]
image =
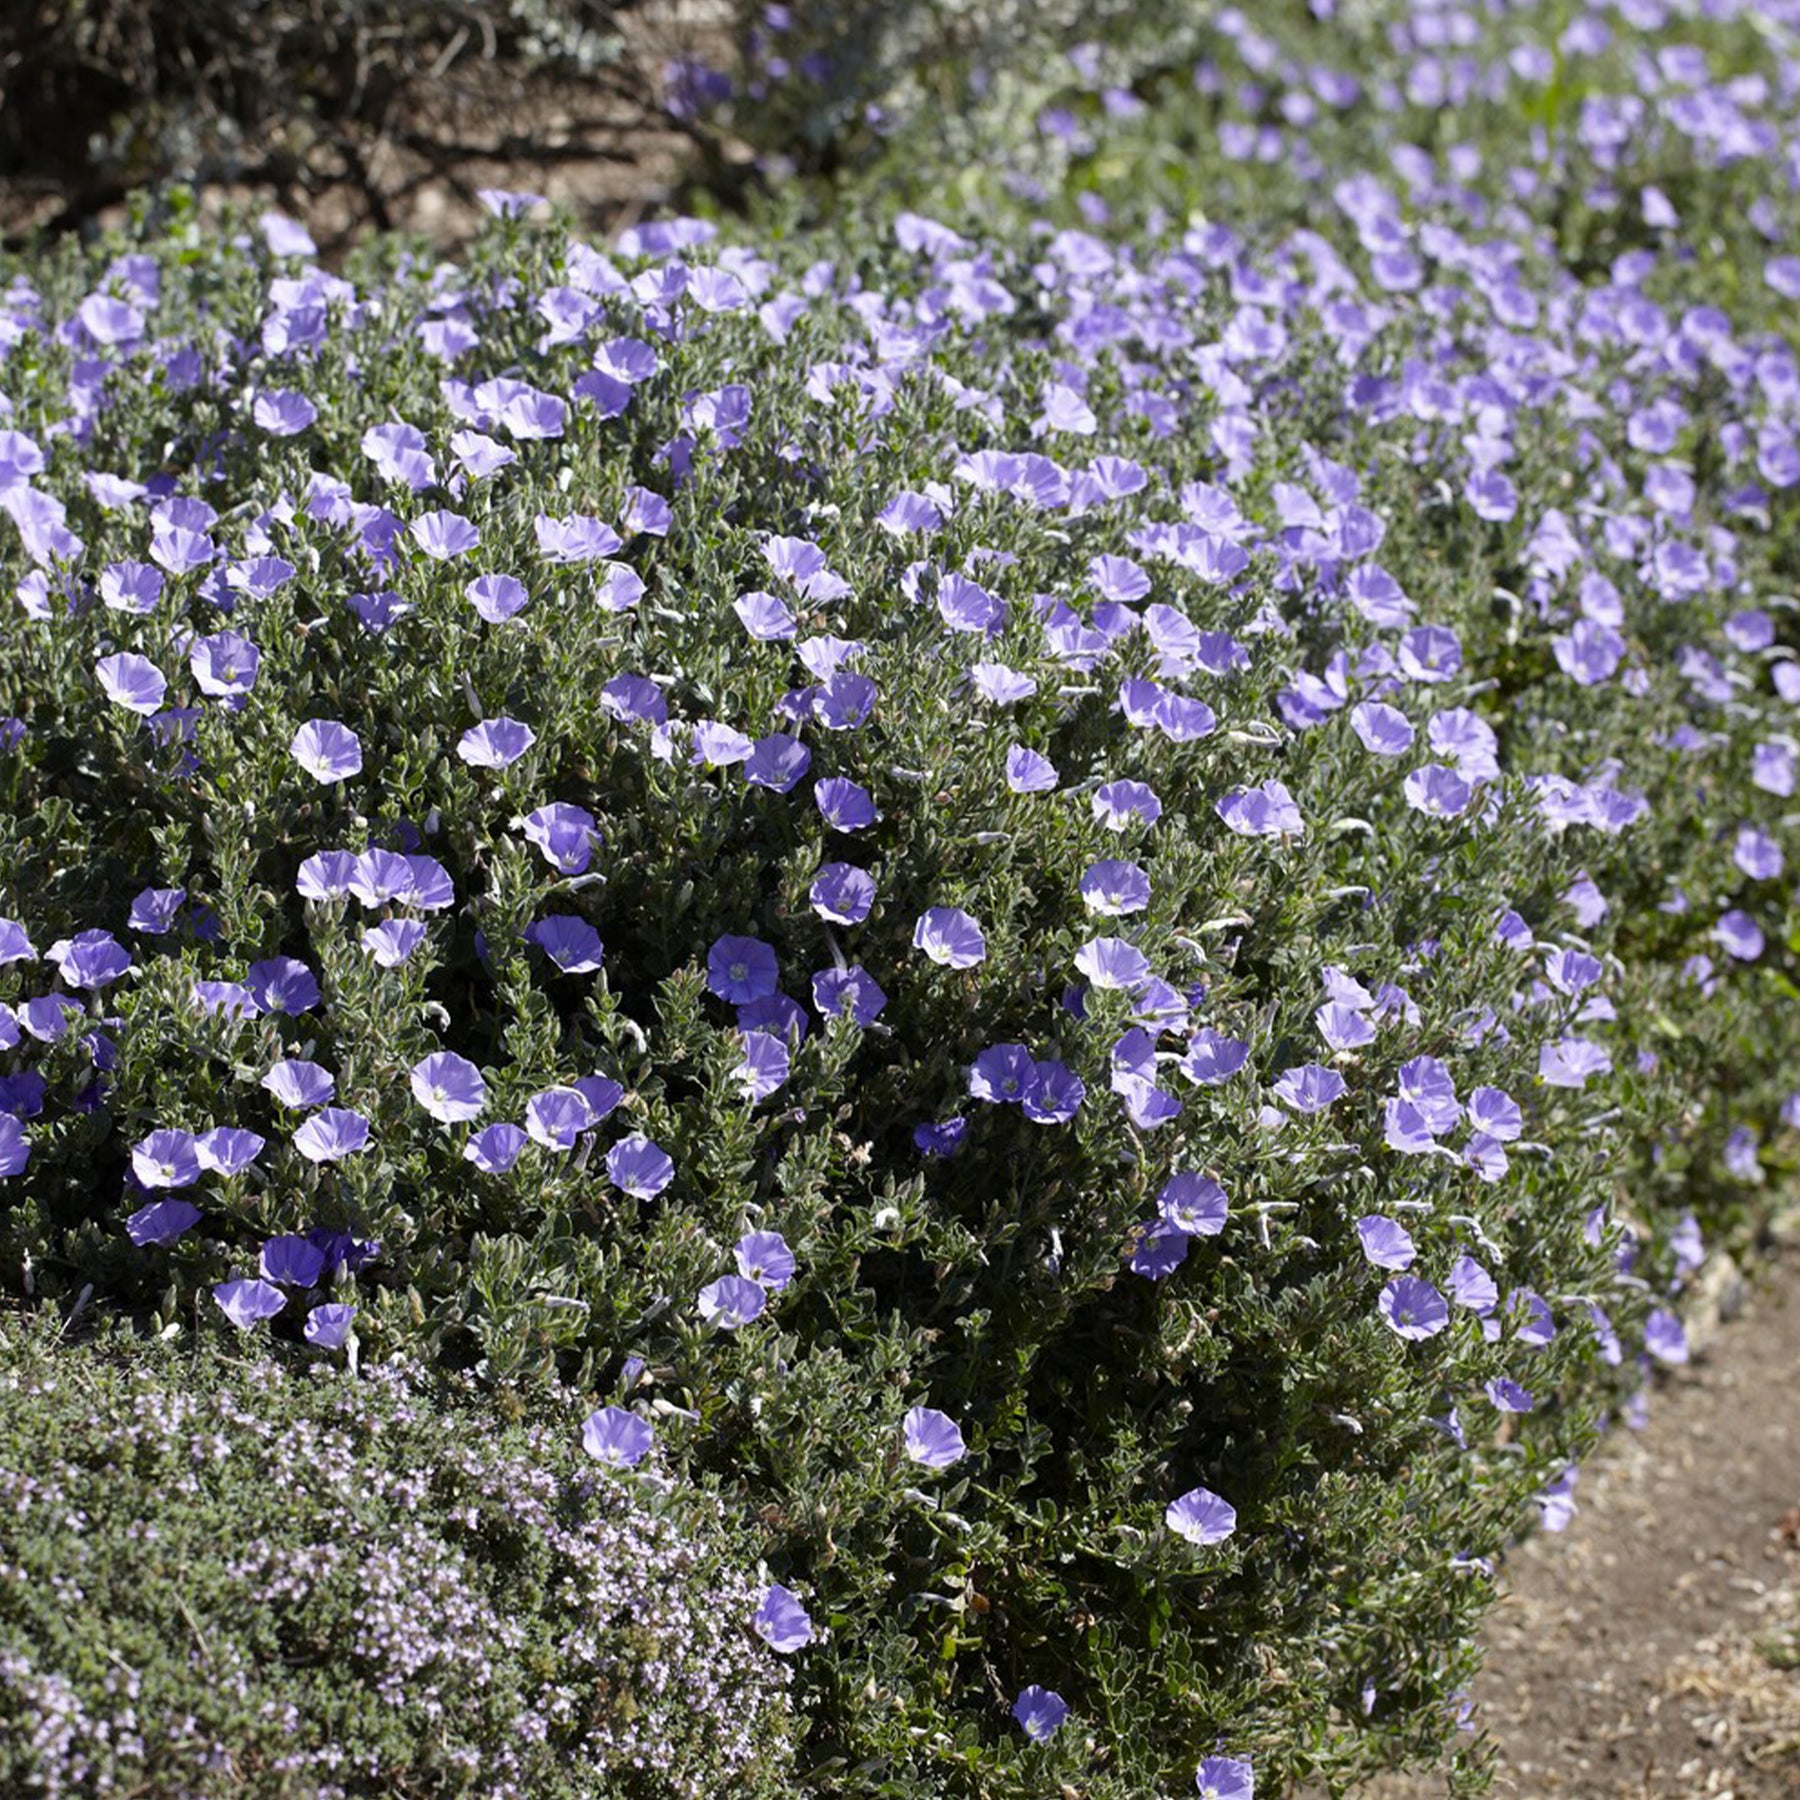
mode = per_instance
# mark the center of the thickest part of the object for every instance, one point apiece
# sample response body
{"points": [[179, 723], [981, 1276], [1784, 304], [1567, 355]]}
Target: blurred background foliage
{"points": [[393, 113]]}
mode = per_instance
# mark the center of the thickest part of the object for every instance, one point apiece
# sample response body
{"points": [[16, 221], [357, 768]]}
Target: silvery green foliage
{"points": [[1189, 810]]}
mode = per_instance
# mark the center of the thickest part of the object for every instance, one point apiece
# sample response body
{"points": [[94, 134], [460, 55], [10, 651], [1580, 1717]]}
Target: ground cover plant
{"points": [[223, 1578], [1087, 907]]}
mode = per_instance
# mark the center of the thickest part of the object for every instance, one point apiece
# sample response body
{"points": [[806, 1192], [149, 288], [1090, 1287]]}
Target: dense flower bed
{"points": [[1096, 911]]}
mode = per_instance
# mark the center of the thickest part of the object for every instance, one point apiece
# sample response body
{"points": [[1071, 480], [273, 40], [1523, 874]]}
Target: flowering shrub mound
{"points": [[230, 1577], [1093, 909]]}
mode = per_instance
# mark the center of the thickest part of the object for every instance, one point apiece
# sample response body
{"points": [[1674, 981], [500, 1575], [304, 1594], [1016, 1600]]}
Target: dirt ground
{"points": [[1652, 1650]]}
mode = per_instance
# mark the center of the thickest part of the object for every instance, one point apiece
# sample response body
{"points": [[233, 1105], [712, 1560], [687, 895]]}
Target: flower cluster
{"points": [[1050, 897]]}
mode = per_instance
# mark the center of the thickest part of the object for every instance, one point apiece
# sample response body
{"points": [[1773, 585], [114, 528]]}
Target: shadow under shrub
{"points": [[270, 1577]]}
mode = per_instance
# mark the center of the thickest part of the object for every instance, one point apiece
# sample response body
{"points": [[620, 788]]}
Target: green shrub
{"points": [[229, 1576], [1405, 599]]}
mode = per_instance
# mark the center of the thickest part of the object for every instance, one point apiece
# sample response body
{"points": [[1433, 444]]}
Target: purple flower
{"points": [[569, 942], [393, 941], [1413, 1309], [166, 1159], [950, 937], [844, 805], [1039, 1712], [283, 984], [965, 606], [507, 203], [326, 750], [1001, 685], [1201, 1517], [1266, 811], [843, 699], [781, 1621], [399, 454], [495, 743], [1343, 1027], [564, 834], [131, 587], [90, 959], [47, 1017], [225, 665], [1001, 1074], [850, 992], [764, 1067], [1119, 802], [1438, 790], [1225, 1778], [577, 539], [842, 893], [718, 746], [1495, 1113], [298, 1084], [765, 616], [1472, 1286], [1507, 1396], [332, 1134], [1430, 653], [1589, 653], [618, 1438], [161, 1222], [943, 1139], [228, 1150], [619, 589], [763, 1256], [328, 1326], [731, 1301], [1053, 1095], [1739, 935], [449, 1087], [639, 1166], [910, 512], [1112, 963], [933, 1439], [777, 1014], [778, 762], [1384, 730], [1385, 1242], [557, 1116], [442, 535], [1491, 496], [496, 598], [1426, 1084], [1029, 773], [1665, 1337], [1193, 1204], [1157, 1249], [1570, 1061], [1757, 854], [153, 911], [741, 969], [15, 946], [1213, 1059], [283, 412], [292, 1261], [1114, 889], [180, 549], [325, 875], [494, 1150], [1310, 1088], [132, 682], [245, 1303]]}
